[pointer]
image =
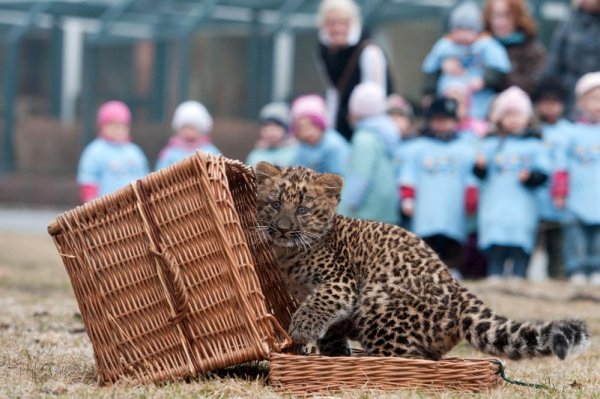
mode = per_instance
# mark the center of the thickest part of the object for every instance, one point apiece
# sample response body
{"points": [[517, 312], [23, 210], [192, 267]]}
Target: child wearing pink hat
{"points": [[511, 164], [578, 187], [111, 161], [320, 147]]}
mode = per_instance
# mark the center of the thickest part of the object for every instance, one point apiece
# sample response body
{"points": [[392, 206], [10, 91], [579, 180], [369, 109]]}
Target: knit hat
{"points": [[277, 112], [396, 104], [587, 82], [549, 88], [113, 112], [367, 99], [310, 106], [444, 107], [466, 16], [194, 114], [511, 99]]}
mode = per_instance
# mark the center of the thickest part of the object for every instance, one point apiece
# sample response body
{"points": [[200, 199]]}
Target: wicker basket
{"points": [[314, 374], [164, 273]]}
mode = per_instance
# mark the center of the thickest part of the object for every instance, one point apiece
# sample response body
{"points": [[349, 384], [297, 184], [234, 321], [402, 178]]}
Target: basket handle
{"points": [[273, 343]]}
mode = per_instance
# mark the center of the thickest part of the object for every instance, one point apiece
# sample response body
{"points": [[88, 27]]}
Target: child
{"points": [[468, 128], [466, 57], [192, 125], [274, 146], [549, 97], [111, 161], [580, 184], [512, 162], [402, 115], [321, 149], [438, 189], [367, 192]]}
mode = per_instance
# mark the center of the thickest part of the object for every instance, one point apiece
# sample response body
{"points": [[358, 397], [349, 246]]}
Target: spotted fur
{"points": [[380, 284]]}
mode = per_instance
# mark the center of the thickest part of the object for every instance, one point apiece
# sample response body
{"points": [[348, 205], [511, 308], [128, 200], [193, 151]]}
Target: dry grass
{"points": [[44, 350]]}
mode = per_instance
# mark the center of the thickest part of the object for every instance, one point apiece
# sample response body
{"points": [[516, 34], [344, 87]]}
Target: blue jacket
{"points": [[176, 150], [508, 212], [440, 170], [485, 53], [369, 190], [110, 165], [583, 165], [280, 156], [556, 137], [330, 155]]}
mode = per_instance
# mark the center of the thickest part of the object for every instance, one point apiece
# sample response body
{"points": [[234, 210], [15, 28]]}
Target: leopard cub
{"points": [[380, 284]]}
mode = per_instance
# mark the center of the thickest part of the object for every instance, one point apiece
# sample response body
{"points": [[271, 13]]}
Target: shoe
{"points": [[577, 279], [595, 279]]}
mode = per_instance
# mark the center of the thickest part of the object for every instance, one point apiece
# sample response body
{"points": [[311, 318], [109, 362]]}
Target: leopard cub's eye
{"points": [[276, 205], [301, 210]]}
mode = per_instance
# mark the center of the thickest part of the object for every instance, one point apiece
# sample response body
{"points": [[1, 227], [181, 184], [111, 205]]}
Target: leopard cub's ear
{"points": [[265, 170], [331, 183]]}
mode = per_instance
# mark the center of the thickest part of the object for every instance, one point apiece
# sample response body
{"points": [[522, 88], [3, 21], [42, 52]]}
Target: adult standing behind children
{"points": [[580, 184], [111, 161], [348, 58], [510, 22], [367, 192], [274, 144], [320, 148], [192, 127], [511, 164], [575, 48], [438, 188], [469, 58]]}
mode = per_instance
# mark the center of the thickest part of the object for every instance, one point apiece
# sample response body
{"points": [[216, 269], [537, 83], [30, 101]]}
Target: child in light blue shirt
{"points": [[275, 144], [438, 188], [320, 148], [549, 97], [369, 192], [111, 161], [512, 162], [469, 58], [581, 186], [192, 125]]}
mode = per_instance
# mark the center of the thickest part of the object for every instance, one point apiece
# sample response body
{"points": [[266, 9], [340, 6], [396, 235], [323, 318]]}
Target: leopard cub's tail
{"points": [[499, 336]]}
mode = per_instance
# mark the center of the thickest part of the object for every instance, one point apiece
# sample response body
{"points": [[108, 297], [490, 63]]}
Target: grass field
{"points": [[45, 352]]}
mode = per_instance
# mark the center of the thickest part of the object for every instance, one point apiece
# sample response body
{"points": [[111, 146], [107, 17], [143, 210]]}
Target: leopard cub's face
{"points": [[296, 206]]}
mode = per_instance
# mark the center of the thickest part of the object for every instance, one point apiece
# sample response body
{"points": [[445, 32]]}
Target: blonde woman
{"points": [[347, 58]]}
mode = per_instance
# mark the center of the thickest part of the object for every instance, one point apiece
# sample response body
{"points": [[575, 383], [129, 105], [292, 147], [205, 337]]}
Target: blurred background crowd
{"points": [[489, 149]]}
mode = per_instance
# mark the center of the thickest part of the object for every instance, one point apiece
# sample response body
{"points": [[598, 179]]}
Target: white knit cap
{"points": [[367, 99], [587, 82], [194, 114], [511, 99]]}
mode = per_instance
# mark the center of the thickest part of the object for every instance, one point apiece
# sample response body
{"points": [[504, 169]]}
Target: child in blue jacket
{"points": [[580, 185], [467, 57], [367, 192], [438, 188], [192, 125], [320, 148], [275, 144], [549, 97], [512, 162], [111, 161]]}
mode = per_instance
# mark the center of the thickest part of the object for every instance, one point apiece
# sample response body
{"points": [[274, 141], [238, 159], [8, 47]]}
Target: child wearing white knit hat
{"points": [[579, 188], [192, 126], [369, 191]]}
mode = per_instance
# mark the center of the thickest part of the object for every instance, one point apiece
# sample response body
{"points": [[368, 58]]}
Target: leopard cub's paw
{"points": [[304, 329]]}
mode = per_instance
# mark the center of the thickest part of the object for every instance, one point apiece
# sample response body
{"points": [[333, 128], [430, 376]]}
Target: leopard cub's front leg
{"points": [[328, 304]]}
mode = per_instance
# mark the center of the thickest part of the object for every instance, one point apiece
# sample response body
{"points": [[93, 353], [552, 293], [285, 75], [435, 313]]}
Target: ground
{"points": [[44, 350]]}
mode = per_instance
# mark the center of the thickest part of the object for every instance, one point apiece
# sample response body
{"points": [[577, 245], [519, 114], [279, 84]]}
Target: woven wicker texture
{"points": [[320, 375], [164, 278]]}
